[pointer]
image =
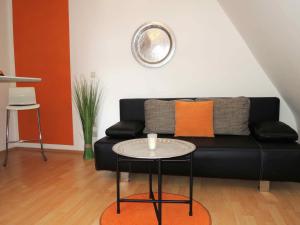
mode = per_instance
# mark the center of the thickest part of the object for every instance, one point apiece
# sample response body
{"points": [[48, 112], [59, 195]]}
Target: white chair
{"points": [[22, 98]]}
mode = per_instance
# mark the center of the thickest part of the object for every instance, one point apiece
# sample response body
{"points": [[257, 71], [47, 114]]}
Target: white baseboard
{"points": [[49, 146], [3, 148]]}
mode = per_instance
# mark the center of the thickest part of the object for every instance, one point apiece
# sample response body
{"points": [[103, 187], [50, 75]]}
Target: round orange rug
{"points": [[144, 214]]}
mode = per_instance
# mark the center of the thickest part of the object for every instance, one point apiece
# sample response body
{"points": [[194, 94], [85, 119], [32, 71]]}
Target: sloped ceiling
{"points": [[271, 29]]}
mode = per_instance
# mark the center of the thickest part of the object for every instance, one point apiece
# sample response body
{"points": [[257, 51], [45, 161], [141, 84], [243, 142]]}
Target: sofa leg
{"points": [[264, 186], [125, 176]]}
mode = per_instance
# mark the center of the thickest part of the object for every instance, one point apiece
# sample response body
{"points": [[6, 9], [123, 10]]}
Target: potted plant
{"points": [[86, 96]]}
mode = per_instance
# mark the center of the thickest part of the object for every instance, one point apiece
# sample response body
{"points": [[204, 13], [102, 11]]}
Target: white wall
{"points": [[7, 65], [211, 58], [271, 28]]}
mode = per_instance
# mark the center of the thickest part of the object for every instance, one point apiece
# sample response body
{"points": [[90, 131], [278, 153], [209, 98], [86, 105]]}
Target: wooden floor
{"points": [[67, 190]]}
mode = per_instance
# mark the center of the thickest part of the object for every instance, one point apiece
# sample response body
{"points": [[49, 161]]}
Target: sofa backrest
{"points": [[261, 109]]}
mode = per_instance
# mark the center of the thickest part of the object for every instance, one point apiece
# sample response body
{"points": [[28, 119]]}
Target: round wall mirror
{"points": [[153, 44]]}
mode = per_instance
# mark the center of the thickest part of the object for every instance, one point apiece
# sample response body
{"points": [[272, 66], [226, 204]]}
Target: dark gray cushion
{"points": [[159, 116], [231, 115]]}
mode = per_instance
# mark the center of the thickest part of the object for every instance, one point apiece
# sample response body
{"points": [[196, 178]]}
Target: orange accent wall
{"points": [[42, 49]]}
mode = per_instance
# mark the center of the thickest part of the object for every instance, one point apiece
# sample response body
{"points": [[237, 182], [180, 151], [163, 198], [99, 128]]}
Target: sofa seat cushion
{"points": [[222, 156], [219, 141], [223, 141], [280, 161], [227, 156]]}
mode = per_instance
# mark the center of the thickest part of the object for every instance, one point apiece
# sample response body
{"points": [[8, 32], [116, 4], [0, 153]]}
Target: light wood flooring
{"points": [[67, 190]]}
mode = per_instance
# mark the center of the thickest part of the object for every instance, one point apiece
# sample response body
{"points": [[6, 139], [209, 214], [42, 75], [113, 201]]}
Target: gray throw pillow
{"points": [[231, 115], [159, 116]]}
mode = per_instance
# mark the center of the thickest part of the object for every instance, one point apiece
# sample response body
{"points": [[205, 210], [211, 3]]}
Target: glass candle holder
{"points": [[152, 140]]}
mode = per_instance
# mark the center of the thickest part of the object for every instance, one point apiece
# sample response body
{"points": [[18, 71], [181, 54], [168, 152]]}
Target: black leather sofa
{"points": [[225, 156]]}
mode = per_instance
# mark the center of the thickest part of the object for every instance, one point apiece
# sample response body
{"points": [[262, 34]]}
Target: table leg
{"points": [[150, 180], [159, 192], [118, 186], [191, 185]]}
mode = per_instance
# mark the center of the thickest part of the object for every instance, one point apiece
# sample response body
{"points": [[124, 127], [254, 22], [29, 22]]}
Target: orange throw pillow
{"points": [[194, 119]]}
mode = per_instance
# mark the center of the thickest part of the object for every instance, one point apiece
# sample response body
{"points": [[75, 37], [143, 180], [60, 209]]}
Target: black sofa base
{"points": [[220, 157]]}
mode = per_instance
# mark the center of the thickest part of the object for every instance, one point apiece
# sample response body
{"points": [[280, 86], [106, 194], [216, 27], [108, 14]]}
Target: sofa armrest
{"points": [[125, 129], [274, 131]]}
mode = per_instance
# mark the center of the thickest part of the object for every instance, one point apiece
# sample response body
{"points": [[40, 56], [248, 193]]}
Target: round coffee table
{"points": [[167, 150]]}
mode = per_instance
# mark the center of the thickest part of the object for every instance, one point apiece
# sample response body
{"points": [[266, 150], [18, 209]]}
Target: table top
{"points": [[165, 148], [19, 79]]}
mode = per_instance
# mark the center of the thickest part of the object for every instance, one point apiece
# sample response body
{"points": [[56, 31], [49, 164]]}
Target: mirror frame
{"points": [[135, 42]]}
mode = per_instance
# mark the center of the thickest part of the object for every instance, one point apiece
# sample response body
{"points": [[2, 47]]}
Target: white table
{"points": [[19, 79], [167, 150]]}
